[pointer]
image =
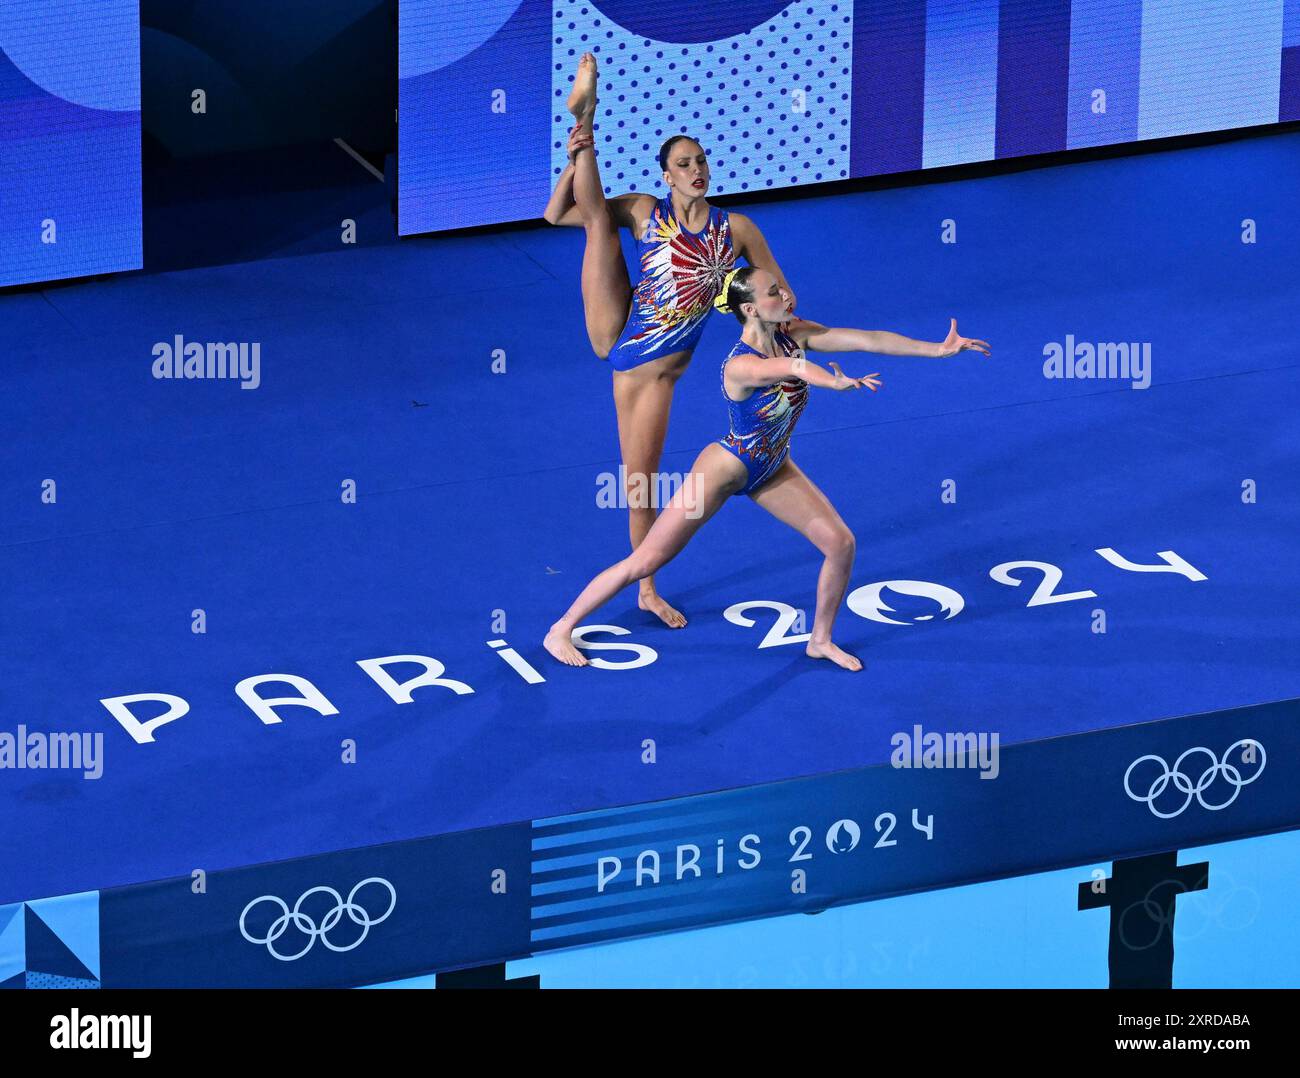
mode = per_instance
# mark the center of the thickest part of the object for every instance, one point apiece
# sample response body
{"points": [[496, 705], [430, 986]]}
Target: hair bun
{"points": [[720, 300]]}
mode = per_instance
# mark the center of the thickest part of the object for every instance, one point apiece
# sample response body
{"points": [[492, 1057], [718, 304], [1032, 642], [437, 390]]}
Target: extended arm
{"points": [[829, 339], [562, 210], [751, 372]]}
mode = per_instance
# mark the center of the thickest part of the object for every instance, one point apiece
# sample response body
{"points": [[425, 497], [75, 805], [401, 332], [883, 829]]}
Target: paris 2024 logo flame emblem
{"points": [[869, 602]]}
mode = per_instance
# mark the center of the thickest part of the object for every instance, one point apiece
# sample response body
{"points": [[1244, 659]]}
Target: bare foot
{"points": [[836, 654], [582, 98], [669, 615], [559, 642]]}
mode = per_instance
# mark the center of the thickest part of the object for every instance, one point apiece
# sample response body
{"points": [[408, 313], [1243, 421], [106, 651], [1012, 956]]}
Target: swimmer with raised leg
{"points": [[648, 331], [765, 381]]}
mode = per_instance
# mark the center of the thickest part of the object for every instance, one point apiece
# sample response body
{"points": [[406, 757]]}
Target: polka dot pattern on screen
{"points": [[739, 96]]}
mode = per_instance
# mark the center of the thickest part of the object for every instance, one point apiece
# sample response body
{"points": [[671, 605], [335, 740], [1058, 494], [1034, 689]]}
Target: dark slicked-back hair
{"points": [[667, 148]]}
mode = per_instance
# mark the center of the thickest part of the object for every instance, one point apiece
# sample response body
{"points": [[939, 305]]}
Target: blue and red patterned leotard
{"points": [[681, 273], [762, 423]]}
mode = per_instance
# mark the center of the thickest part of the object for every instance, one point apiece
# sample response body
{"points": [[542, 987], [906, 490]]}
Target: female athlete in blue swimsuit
{"points": [[685, 248], [765, 381]]}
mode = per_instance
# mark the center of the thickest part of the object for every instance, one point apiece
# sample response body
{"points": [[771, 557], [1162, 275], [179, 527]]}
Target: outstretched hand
{"points": [[843, 381], [955, 343]]}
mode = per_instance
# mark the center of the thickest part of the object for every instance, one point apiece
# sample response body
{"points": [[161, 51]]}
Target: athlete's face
{"points": [[688, 168], [772, 303]]}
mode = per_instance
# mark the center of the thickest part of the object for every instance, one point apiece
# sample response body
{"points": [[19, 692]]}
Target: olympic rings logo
{"points": [[1157, 921], [1222, 908], [305, 924], [1183, 783]]}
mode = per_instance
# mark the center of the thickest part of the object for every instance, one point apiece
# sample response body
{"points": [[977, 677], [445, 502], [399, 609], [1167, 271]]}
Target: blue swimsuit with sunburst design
{"points": [[681, 274], [762, 423]]}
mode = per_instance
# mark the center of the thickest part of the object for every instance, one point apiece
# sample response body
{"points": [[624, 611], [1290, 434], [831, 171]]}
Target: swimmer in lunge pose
{"points": [[648, 330], [765, 380]]}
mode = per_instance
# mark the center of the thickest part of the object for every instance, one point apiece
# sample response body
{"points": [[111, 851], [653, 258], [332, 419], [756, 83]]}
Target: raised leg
{"points": [[606, 288], [792, 498], [643, 397], [713, 478]]}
